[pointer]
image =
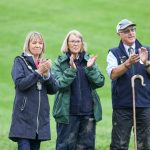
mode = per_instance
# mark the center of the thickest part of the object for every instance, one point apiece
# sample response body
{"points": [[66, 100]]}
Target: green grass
{"points": [[95, 19]]}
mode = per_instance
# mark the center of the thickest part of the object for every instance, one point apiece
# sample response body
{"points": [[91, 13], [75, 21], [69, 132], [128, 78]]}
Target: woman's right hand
{"points": [[71, 62]]}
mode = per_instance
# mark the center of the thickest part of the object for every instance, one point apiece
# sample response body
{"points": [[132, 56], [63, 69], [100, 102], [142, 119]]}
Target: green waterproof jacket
{"points": [[65, 76]]}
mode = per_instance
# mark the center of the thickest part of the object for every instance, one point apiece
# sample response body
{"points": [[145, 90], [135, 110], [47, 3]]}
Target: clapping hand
{"points": [[133, 58], [91, 61], [143, 54], [44, 67], [71, 62]]}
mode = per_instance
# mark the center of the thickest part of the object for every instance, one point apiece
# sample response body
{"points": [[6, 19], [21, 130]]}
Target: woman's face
{"points": [[36, 46], [74, 44]]}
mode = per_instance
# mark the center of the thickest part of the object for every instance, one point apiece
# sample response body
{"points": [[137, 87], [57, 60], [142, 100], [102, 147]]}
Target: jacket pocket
{"points": [[57, 104], [23, 103]]}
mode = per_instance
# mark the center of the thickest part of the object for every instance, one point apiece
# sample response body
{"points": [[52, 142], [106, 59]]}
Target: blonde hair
{"points": [[30, 36], [64, 47]]}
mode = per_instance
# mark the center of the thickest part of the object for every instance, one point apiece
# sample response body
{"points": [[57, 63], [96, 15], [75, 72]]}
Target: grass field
{"points": [[95, 19]]}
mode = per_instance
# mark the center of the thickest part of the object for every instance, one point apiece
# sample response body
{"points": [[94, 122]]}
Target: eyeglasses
{"points": [[74, 42], [127, 31]]}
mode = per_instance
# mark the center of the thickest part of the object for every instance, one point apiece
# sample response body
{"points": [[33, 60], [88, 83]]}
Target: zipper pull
{"points": [[39, 86]]}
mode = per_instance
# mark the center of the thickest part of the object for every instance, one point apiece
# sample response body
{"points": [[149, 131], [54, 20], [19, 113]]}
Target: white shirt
{"points": [[112, 60]]}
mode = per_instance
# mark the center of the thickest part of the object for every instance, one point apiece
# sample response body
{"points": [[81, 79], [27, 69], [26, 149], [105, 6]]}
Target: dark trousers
{"points": [[122, 125], [79, 134], [26, 144]]}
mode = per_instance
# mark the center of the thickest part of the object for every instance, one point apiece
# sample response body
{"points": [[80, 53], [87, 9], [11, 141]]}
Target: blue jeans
{"points": [[122, 126], [79, 134], [26, 144]]}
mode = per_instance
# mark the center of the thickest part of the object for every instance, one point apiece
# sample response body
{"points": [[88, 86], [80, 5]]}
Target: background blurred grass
{"points": [[95, 19]]}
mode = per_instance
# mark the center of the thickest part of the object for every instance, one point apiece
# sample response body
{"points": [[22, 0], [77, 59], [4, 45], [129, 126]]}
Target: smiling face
{"points": [[36, 46], [75, 44], [128, 35]]}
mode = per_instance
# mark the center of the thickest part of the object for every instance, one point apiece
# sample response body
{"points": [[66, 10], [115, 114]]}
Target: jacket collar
{"points": [[137, 46], [29, 59]]}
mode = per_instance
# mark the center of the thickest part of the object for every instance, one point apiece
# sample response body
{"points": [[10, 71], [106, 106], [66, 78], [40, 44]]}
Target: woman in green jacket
{"points": [[77, 106]]}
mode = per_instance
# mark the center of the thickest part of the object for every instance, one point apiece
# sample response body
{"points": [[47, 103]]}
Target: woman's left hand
{"points": [[91, 61], [47, 66]]}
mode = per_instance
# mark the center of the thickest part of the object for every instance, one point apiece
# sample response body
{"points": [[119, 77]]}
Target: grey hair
{"points": [[64, 47], [29, 37]]}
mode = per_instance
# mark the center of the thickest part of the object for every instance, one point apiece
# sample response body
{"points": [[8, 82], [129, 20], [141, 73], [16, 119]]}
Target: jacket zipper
{"points": [[38, 112], [39, 87], [79, 89]]}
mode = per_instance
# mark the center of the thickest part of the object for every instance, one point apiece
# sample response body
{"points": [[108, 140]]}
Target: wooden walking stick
{"points": [[134, 107]]}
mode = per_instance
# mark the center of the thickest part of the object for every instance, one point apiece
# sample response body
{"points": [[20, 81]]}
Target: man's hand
{"points": [[143, 54]]}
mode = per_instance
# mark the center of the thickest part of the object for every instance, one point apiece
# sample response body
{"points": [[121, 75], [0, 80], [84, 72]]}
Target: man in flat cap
{"points": [[126, 60]]}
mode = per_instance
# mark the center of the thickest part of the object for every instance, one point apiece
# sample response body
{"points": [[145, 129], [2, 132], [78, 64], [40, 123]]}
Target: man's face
{"points": [[128, 35]]}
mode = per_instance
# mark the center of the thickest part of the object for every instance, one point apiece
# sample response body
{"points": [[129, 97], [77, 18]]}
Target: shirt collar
{"points": [[127, 47]]}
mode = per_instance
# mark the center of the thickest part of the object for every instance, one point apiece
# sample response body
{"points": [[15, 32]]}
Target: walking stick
{"points": [[134, 107]]}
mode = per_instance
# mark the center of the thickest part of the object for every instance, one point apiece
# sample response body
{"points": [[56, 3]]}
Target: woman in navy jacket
{"points": [[33, 81]]}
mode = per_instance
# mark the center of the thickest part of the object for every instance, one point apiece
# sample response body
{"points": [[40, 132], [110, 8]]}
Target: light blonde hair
{"points": [[65, 48], [30, 36]]}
